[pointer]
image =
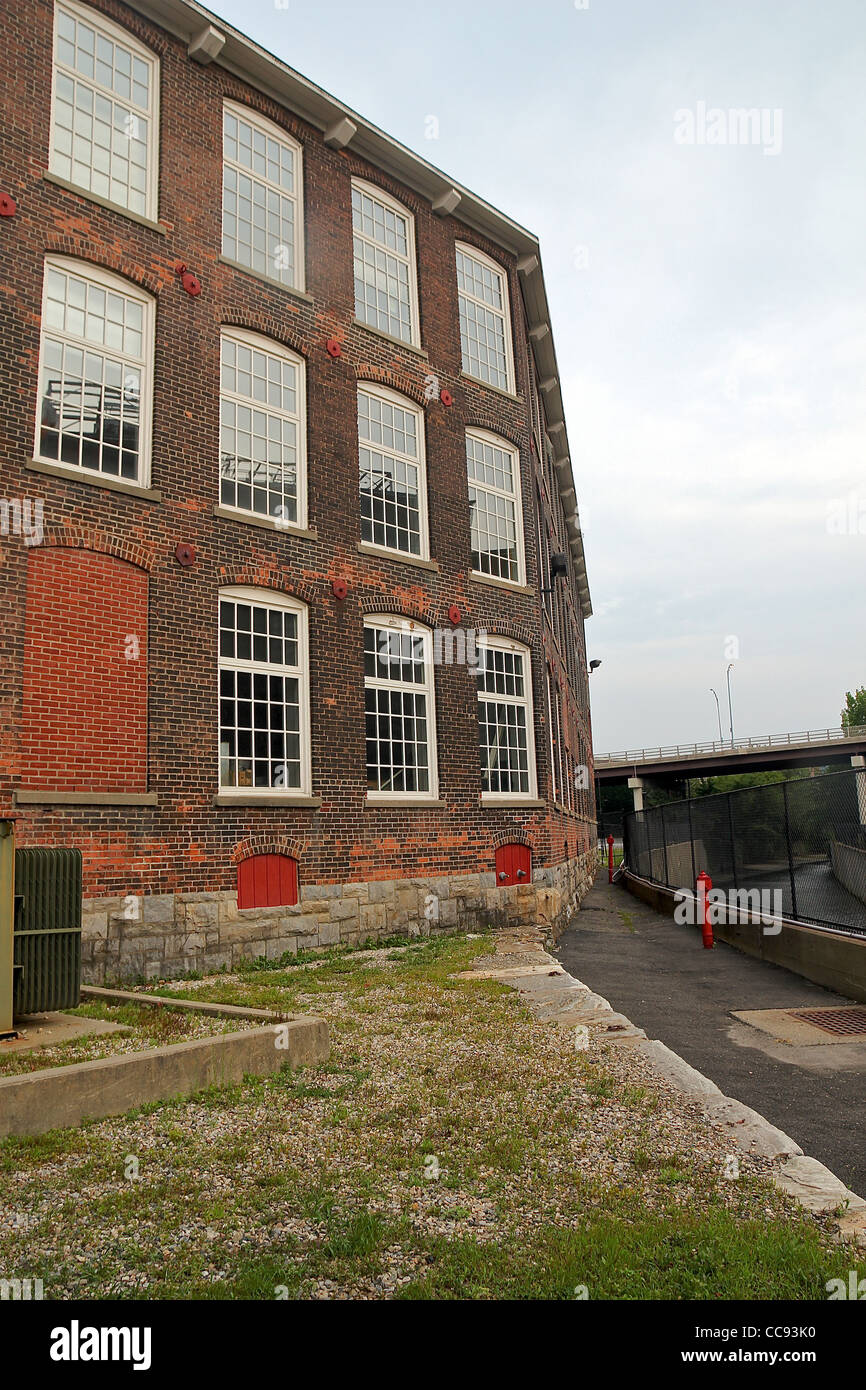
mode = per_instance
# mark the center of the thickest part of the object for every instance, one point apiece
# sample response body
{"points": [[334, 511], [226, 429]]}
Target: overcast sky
{"points": [[707, 303]]}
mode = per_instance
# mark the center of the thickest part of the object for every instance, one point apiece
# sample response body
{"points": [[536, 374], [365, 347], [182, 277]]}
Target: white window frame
{"points": [[496, 269], [257, 342], [383, 393], [526, 702], [116, 34], [371, 190], [551, 730], [270, 598], [113, 284], [497, 442], [273, 132], [428, 689]]}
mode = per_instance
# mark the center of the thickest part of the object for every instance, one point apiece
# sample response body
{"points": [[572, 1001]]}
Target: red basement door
{"points": [[513, 865], [268, 880]]}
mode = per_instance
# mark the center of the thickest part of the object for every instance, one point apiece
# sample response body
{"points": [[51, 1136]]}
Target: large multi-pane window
{"points": [[400, 718], [485, 330], [494, 497], [95, 371], [263, 693], [262, 415], [392, 473], [262, 197], [104, 111], [505, 736], [384, 247]]}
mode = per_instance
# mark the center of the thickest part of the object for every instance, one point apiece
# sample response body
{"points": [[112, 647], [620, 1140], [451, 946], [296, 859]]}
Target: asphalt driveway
{"points": [[658, 974]]}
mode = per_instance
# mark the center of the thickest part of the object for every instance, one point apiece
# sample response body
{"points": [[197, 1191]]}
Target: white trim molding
{"points": [[104, 131]]}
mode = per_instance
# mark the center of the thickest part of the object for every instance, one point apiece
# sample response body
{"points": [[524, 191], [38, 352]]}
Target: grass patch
{"points": [[451, 1147]]}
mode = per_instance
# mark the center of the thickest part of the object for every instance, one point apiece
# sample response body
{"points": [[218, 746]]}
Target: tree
{"points": [[854, 713]]}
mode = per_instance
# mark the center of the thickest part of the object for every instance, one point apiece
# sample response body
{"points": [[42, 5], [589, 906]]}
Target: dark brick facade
{"points": [[185, 843]]}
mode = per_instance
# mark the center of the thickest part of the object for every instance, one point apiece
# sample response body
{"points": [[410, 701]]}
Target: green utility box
{"points": [[47, 933], [7, 918]]}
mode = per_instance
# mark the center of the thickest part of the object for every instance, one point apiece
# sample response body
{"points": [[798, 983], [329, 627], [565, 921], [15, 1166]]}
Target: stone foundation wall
{"points": [[163, 936]]}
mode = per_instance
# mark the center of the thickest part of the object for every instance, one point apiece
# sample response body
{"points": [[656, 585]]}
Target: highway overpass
{"points": [[812, 748]]}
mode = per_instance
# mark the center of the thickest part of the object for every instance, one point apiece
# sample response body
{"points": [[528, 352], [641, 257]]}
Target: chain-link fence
{"points": [[804, 841]]}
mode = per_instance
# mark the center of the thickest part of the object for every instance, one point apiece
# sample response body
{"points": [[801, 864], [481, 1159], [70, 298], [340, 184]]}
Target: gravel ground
{"points": [[448, 1122]]}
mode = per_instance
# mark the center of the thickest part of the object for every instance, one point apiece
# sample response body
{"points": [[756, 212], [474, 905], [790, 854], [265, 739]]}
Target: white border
{"points": [[276, 349], [505, 644], [372, 190], [87, 15], [271, 598], [372, 388], [474, 254], [408, 625], [488, 437], [267, 127], [105, 279]]}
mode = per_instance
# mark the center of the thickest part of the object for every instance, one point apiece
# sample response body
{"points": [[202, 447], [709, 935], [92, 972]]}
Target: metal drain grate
{"points": [[849, 1022]]}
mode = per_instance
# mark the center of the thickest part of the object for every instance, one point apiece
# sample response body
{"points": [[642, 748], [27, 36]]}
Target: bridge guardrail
{"points": [[801, 739]]}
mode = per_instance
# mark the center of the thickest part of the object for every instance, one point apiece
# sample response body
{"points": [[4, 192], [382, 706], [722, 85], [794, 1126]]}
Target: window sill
{"points": [[395, 803], [267, 279], [519, 803], [266, 523], [242, 798], [83, 475], [488, 386], [106, 203], [366, 548], [38, 798], [390, 338], [507, 584]]}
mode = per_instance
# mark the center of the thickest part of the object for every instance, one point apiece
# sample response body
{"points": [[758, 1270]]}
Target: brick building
{"points": [[294, 594]]}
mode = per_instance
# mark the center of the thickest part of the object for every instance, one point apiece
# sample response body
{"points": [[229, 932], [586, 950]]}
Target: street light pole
{"points": [[730, 706], [718, 713]]}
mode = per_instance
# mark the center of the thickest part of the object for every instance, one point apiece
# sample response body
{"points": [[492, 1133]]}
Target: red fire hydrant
{"points": [[610, 859], [705, 884]]}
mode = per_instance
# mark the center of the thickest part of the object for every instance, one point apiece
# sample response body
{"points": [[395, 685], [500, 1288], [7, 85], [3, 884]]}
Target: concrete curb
{"points": [[554, 996], [60, 1096], [97, 995]]}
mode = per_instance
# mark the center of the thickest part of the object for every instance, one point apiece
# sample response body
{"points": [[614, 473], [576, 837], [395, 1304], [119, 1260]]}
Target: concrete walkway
{"points": [[658, 974]]}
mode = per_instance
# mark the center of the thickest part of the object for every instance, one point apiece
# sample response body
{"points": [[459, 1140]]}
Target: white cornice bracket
{"points": [[338, 135], [206, 45], [444, 205]]}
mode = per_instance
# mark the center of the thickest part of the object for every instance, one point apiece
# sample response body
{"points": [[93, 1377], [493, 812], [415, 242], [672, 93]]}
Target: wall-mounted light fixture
{"points": [[558, 570]]}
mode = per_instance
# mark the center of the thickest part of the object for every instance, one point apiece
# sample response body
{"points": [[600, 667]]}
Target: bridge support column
{"points": [[859, 761], [635, 786]]}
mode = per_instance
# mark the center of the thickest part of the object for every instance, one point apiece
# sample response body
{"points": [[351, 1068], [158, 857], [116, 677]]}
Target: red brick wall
{"points": [[84, 707], [186, 842]]}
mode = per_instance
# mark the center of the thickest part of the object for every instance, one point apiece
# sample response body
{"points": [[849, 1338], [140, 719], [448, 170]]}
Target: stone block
{"points": [[158, 907], [344, 909], [94, 924], [373, 918], [382, 891], [448, 913]]}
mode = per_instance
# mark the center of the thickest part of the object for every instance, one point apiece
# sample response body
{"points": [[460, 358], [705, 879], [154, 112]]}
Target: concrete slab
{"points": [[47, 1030], [787, 1026]]}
